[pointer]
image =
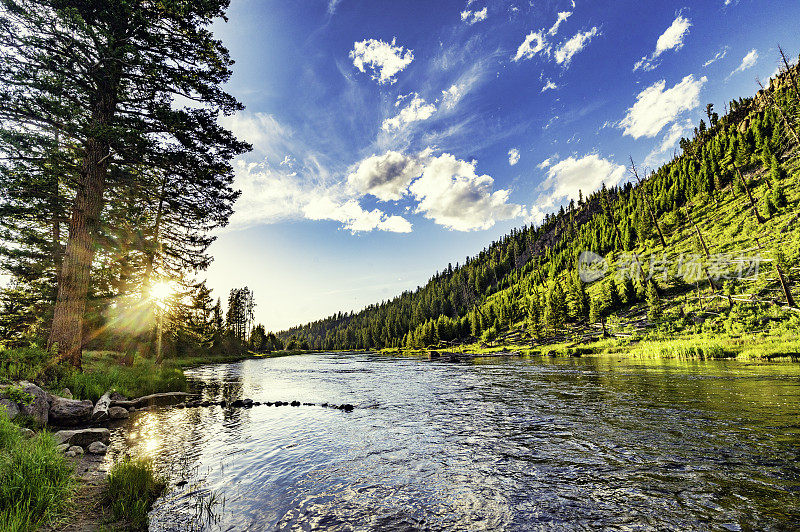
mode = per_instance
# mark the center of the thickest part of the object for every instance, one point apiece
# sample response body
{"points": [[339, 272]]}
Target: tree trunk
{"points": [[758, 216], [73, 287]]}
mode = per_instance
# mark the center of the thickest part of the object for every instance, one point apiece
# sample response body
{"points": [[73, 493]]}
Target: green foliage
{"points": [[132, 487], [654, 310], [555, 311], [18, 395], [35, 479]]}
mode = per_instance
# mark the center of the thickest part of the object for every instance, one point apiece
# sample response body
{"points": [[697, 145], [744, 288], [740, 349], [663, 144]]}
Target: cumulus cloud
{"points": [[453, 195], [354, 217], [471, 17], [748, 61], [513, 156], [587, 174], [656, 107], [719, 55], [549, 86], [384, 59], [386, 176], [452, 96], [562, 17], [416, 110], [671, 39], [533, 44], [578, 42]]}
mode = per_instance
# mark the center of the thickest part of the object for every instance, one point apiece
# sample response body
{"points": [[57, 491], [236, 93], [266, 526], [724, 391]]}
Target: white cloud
{"points": [[562, 17], [452, 96], [533, 44], [415, 111], [261, 130], [660, 153], [577, 43], [332, 5], [513, 156], [587, 174], [671, 39], [471, 17], [544, 164], [719, 55], [386, 176], [384, 59], [452, 195], [748, 61], [656, 107], [549, 86], [354, 217]]}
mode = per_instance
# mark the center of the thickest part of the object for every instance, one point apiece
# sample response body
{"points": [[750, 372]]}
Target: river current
{"points": [[492, 444]]}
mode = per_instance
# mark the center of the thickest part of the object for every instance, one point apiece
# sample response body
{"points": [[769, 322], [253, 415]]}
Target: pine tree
{"points": [[101, 78], [653, 303], [555, 312]]}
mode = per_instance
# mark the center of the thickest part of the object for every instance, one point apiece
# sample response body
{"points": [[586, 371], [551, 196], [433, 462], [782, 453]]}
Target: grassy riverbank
{"points": [[702, 346]]}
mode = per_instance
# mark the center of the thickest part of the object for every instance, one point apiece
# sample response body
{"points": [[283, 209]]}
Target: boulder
{"points": [[70, 454], [11, 408], [66, 394], [98, 448], [77, 449], [117, 412], [100, 411], [26, 433], [82, 437], [39, 407], [64, 447], [69, 411], [116, 396]]}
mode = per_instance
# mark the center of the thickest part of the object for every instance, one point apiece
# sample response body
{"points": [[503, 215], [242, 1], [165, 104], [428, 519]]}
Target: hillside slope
{"points": [[707, 245]]}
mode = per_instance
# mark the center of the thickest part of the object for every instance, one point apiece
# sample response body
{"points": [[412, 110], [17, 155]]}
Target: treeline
{"points": [[109, 184], [528, 278]]}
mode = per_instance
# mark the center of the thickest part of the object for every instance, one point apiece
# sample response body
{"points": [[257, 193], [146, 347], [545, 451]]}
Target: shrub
{"points": [[132, 487]]}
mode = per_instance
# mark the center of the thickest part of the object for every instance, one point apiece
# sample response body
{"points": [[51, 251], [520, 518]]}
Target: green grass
{"points": [[35, 479], [132, 487]]}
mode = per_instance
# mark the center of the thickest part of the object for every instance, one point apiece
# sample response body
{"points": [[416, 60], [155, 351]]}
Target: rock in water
{"points": [[82, 437], [39, 406], [69, 411], [117, 412], [98, 448]]}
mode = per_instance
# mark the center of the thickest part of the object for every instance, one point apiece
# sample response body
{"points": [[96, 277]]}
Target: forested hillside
{"points": [[728, 199]]}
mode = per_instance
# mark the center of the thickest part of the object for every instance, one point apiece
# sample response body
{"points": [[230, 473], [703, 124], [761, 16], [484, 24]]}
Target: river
{"points": [[493, 444]]}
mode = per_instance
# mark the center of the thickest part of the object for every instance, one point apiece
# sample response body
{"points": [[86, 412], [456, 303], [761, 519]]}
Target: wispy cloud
{"points": [[578, 42], [748, 61], [549, 85], [719, 55], [671, 39]]}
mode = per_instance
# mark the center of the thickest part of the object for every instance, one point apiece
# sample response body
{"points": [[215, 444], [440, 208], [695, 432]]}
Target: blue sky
{"points": [[393, 138]]}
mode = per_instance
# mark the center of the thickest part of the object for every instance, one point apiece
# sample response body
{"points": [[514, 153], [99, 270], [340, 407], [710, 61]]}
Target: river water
{"points": [[493, 444]]}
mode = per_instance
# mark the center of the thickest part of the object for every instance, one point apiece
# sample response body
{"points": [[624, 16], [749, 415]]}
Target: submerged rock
{"points": [[98, 448], [117, 412], [69, 411], [82, 437]]}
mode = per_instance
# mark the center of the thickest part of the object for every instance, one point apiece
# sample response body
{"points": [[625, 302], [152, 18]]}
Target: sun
{"points": [[162, 291]]}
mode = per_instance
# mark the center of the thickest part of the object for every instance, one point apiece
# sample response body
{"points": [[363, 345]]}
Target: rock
{"points": [[39, 407], [64, 447], [117, 412], [237, 403], [77, 449], [70, 454], [247, 403], [66, 394], [26, 433], [295, 403], [82, 437], [131, 409], [12, 409], [100, 410], [69, 411], [98, 448], [346, 408], [116, 396], [156, 399]]}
